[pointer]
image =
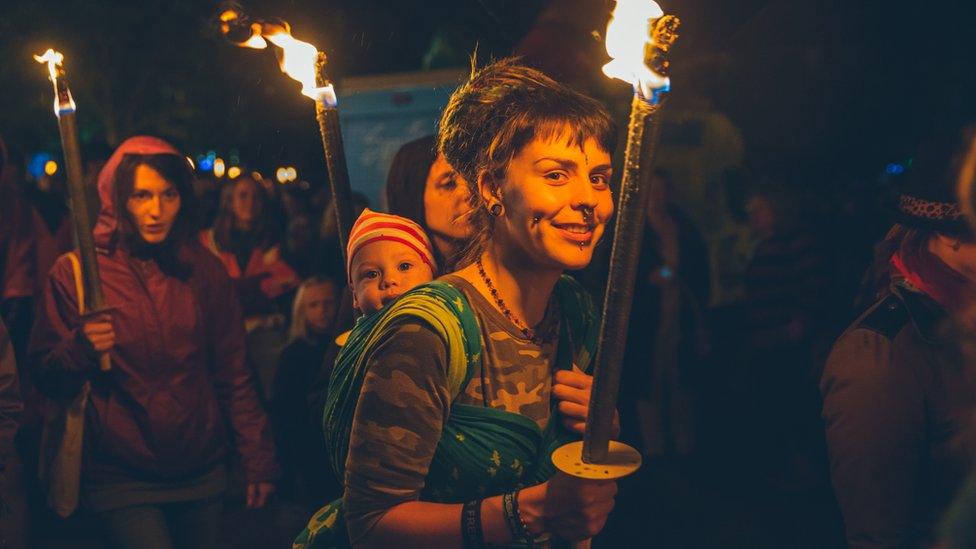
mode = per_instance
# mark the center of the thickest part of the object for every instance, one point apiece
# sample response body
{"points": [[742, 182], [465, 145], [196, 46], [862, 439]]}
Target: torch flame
{"points": [[627, 35], [53, 60], [298, 59]]}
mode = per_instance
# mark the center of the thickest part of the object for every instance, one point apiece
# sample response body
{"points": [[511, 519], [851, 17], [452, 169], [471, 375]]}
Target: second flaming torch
{"points": [[303, 62]]}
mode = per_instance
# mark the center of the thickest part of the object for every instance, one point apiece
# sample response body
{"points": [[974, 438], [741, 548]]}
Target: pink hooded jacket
{"points": [[178, 374]]}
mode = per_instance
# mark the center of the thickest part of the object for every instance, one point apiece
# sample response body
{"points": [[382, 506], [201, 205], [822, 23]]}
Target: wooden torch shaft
{"points": [[641, 137]]}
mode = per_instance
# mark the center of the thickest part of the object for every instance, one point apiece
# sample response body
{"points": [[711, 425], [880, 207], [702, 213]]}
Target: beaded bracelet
{"points": [[471, 531], [508, 506], [514, 518]]}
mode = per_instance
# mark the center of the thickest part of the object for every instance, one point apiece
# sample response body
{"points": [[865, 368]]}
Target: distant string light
{"points": [[219, 167], [233, 172], [50, 167]]}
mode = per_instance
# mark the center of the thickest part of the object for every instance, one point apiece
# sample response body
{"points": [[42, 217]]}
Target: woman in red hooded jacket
{"points": [[155, 442]]}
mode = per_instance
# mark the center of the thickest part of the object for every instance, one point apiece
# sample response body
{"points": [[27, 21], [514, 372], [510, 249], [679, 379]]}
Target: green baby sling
{"points": [[482, 451]]}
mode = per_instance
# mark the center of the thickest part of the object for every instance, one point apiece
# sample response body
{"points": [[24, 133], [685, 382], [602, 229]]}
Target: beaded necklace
{"points": [[529, 333]]}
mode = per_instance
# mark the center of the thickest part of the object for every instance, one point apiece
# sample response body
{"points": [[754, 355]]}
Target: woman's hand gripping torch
{"points": [[90, 286], [638, 39]]}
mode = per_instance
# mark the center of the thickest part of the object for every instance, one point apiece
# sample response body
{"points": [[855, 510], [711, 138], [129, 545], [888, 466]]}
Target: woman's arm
{"points": [[397, 425], [233, 384], [61, 357], [874, 415]]}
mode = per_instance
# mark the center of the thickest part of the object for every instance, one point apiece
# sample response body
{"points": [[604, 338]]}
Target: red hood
{"points": [[108, 218]]}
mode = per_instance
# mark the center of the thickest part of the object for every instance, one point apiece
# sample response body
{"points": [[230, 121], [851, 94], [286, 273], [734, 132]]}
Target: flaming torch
{"points": [[303, 62], [64, 109], [639, 36]]}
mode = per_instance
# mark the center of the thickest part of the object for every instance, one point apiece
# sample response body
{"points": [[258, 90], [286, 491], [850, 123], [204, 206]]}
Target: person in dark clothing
{"points": [[785, 283], [301, 445], [898, 386], [667, 339], [17, 257], [12, 497], [156, 438]]}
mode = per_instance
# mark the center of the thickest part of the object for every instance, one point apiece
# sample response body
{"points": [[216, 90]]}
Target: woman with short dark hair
{"points": [[457, 396]]}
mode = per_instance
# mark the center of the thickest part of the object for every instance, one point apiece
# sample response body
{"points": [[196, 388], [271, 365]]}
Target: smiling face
{"points": [[445, 202], [557, 201], [383, 270], [153, 205]]}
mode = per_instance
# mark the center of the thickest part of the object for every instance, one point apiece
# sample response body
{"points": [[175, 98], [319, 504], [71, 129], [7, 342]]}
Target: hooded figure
{"points": [[898, 391], [156, 443]]}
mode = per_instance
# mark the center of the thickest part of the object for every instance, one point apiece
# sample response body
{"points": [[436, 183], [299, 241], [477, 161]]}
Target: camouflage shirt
{"points": [[405, 401]]}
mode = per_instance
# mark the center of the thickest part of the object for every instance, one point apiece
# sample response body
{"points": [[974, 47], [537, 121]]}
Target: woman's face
{"points": [[320, 306], [245, 202], [446, 202], [153, 205], [547, 188]]}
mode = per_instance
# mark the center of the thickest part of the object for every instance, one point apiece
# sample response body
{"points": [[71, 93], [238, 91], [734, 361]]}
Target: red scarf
{"points": [[932, 276]]}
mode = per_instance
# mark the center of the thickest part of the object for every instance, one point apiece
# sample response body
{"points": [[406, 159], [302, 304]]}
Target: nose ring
{"points": [[587, 214]]}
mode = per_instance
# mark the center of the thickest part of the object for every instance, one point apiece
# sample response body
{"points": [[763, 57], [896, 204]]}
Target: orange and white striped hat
{"points": [[374, 226]]}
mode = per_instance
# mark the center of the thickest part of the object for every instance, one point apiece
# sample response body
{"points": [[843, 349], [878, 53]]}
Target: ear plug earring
{"points": [[495, 209]]}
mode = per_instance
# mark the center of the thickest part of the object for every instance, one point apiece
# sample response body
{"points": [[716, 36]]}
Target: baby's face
{"points": [[383, 270]]}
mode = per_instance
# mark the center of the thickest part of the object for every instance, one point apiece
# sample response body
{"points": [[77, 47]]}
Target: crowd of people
{"points": [[410, 388]]}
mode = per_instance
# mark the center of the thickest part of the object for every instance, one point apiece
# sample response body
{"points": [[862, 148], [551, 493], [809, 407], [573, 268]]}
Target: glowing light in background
{"points": [[894, 169], [292, 173], [218, 167], [281, 174], [233, 172], [50, 167], [192, 164]]}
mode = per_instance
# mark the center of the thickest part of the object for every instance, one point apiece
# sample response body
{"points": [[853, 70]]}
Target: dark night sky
{"points": [[843, 86]]}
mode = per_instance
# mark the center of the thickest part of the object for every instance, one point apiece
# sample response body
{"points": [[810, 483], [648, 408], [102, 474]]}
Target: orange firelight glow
{"points": [[627, 36], [62, 98], [298, 59], [53, 60]]}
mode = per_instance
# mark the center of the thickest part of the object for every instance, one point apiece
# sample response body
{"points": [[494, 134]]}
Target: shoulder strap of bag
{"points": [[79, 287]]}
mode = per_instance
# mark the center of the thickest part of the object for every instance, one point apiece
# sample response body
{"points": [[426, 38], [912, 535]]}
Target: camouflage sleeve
{"points": [[402, 408]]}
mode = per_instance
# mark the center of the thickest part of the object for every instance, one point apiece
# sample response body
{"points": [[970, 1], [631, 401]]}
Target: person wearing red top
{"points": [[156, 438], [245, 239]]}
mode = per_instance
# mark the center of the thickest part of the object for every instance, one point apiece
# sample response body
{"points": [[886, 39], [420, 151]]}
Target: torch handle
{"points": [[618, 298], [335, 160], [94, 299]]}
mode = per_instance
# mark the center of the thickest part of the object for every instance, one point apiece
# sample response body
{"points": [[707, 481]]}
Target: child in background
{"points": [[298, 432]]}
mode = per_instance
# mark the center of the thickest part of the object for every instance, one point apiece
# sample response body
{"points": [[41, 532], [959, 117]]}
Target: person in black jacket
{"points": [[898, 386], [301, 446], [12, 530]]}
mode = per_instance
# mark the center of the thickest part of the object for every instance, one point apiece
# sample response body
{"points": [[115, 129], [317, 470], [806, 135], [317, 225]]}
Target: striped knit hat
{"points": [[374, 226]]}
